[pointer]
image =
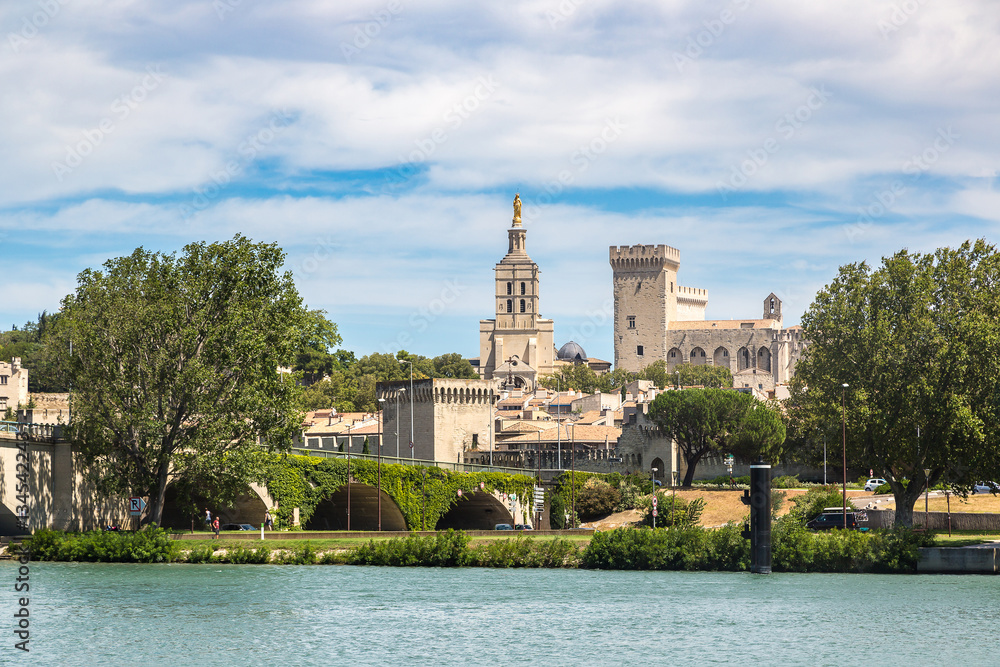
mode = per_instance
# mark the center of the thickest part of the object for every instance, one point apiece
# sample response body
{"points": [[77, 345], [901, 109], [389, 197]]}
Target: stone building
{"points": [[13, 385], [518, 343], [657, 318], [449, 417]]}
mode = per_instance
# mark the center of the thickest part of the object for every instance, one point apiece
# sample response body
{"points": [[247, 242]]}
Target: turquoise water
{"points": [[94, 614]]}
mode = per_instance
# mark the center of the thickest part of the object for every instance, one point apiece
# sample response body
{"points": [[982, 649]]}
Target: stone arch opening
{"points": [[179, 511], [331, 513], [698, 357], [660, 468], [764, 359], [476, 511], [721, 357], [744, 359], [674, 357]]}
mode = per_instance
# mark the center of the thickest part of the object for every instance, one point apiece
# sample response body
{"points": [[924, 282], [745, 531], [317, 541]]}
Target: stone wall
{"points": [[937, 520]]}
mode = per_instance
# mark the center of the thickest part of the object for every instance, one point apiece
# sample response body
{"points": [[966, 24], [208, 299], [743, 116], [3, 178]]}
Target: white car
{"points": [[874, 483], [985, 487]]}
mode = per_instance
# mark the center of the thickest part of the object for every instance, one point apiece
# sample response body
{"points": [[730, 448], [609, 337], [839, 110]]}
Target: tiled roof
{"points": [[566, 432]]}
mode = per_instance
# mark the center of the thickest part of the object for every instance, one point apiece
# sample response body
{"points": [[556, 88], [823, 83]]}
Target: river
{"points": [[101, 614]]}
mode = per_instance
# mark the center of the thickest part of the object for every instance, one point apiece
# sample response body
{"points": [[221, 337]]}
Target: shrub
{"points": [[557, 512], [149, 545], [525, 552], [723, 480], [682, 514], [202, 554], [810, 504], [786, 482], [444, 549], [301, 554], [596, 498], [629, 496], [245, 555], [682, 548], [777, 502]]}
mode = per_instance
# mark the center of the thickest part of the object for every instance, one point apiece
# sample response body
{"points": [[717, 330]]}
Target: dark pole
{"points": [[572, 474], [843, 427], [423, 491], [379, 452], [348, 483]]}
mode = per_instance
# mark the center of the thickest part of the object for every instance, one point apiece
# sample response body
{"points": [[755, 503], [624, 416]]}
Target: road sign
{"points": [[136, 505], [654, 502], [654, 511], [460, 493]]}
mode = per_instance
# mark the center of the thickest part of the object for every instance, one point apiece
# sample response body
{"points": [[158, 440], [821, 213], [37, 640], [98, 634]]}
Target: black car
{"points": [[238, 526], [833, 518]]}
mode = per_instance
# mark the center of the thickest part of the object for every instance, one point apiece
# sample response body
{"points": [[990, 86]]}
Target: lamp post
{"points": [[381, 409], [411, 407], [572, 474], [400, 391], [652, 478], [558, 431], [927, 491], [843, 428], [348, 483], [824, 459], [677, 374]]}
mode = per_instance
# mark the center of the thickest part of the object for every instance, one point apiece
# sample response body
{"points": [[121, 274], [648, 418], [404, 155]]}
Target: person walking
{"points": [[268, 520], [215, 526], [208, 519]]}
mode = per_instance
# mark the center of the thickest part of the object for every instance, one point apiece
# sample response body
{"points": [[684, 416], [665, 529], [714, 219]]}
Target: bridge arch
{"points": [[249, 507], [331, 512], [476, 511]]}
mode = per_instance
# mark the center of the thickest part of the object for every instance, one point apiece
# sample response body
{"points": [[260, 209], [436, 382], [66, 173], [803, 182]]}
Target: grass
{"points": [[964, 538]]}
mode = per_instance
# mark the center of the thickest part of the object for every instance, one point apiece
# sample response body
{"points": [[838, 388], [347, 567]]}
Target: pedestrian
{"points": [[208, 519], [268, 521], [215, 526]]}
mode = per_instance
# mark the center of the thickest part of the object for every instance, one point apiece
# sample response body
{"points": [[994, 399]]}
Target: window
{"points": [[673, 354], [638, 350], [3, 379], [522, 288], [510, 306], [631, 321], [510, 288], [522, 305]]}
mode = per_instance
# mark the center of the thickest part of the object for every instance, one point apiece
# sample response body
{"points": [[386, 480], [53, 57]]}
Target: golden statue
{"points": [[517, 208]]}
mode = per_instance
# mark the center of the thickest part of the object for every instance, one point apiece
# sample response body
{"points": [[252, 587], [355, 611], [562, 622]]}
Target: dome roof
{"points": [[571, 352]]}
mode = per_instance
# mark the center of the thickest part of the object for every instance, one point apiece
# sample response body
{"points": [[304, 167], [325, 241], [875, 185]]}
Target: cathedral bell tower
{"points": [[518, 330]]}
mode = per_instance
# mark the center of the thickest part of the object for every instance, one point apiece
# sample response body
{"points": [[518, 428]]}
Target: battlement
{"points": [[643, 257], [692, 293]]}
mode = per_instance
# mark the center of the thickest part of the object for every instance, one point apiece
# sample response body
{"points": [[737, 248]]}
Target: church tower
{"points": [[518, 343]]}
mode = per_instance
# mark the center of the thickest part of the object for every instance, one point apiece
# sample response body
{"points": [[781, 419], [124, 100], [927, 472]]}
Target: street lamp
{"points": [[652, 478], [400, 391], [411, 408], [381, 410], [843, 428], [927, 489], [678, 375]]}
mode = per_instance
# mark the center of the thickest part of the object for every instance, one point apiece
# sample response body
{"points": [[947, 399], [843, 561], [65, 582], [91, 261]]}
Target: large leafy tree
{"points": [[703, 421], [175, 367], [917, 341]]}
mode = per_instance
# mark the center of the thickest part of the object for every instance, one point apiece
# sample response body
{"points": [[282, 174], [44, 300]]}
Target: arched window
{"points": [[510, 288], [523, 289], [522, 305], [510, 306]]}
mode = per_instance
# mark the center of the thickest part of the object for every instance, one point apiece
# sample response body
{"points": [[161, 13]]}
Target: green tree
{"points": [[917, 342], [318, 336], [716, 377], [175, 367], [703, 421], [453, 365]]}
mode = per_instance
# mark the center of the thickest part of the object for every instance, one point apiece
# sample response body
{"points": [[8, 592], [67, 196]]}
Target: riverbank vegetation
{"points": [[688, 547]]}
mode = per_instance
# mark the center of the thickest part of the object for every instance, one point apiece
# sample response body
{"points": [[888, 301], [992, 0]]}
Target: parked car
{"points": [[503, 526], [522, 526], [833, 517], [237, 526], [874, 483], [985, 487]]}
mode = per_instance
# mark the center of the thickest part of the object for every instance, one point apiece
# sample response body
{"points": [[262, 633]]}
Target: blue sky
{"points": [[381, 143]]}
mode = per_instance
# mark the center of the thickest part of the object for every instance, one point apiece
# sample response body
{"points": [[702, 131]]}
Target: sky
{"points": [[380, 144]]}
